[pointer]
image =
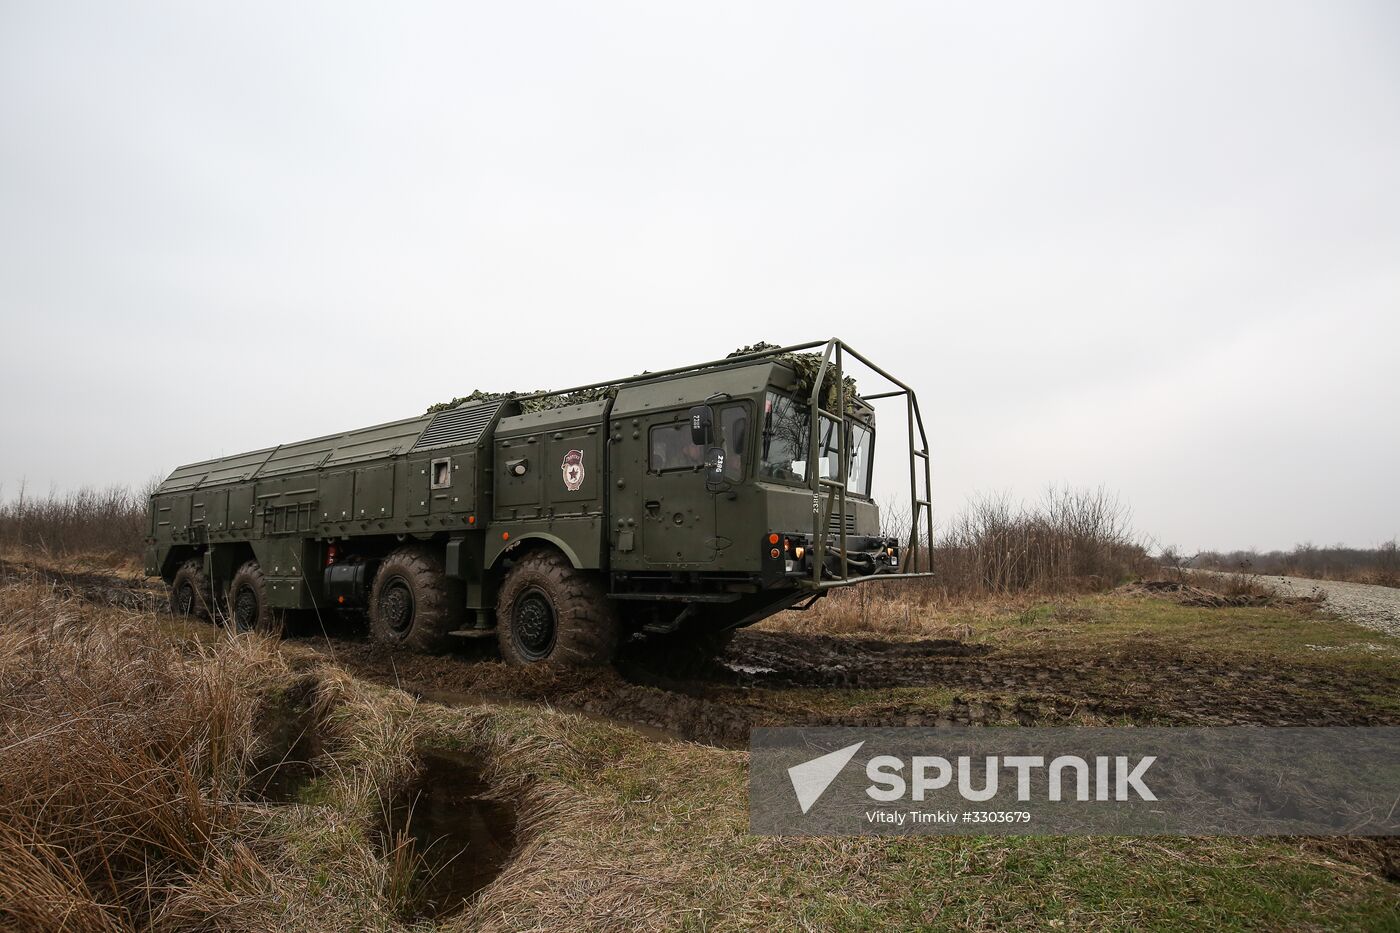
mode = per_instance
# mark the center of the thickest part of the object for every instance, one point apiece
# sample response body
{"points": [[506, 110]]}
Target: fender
{"points": [[498, 548]]}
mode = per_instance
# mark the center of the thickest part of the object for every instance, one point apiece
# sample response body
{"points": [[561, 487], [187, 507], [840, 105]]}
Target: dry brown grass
{"points": [[129, 750], [120, 763], [130, 753], [896, 608]]}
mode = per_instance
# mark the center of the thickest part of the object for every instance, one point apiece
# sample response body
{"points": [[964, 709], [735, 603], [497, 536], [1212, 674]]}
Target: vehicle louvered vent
{"points": [[456, 426], [834, 523]]}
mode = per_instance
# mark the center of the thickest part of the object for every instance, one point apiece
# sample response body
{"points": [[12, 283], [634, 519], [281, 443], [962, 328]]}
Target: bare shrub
{"points": [[110, 522], [1070, 539]]}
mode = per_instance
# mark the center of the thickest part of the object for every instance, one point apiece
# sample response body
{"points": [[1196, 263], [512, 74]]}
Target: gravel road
{"points": [[1376, 607]]}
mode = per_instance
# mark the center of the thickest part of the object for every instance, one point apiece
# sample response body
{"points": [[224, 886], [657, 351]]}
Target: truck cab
{"points": [[722, 502]]}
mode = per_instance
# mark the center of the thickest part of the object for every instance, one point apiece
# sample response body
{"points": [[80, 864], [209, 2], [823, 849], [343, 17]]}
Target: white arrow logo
{"points": [[811, 778]]}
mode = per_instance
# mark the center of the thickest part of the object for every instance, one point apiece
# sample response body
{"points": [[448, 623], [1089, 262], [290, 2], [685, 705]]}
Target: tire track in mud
{"points": [[748, 689], [769, 678], [1131, 680], [105, 588], [597, 692]]}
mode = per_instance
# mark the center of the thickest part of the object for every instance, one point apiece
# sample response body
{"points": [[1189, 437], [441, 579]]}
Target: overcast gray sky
{"points": [[1154, 246]]}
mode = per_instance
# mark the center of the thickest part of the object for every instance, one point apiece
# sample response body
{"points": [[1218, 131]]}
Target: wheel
{"points": [[413, 603], [249, 608], [189, 591], [548, 611]]}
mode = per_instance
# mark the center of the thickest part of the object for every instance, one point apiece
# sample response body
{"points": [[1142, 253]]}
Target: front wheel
{"points": [[548, 611]]}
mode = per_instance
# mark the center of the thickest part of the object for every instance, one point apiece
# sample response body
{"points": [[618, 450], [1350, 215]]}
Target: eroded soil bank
{"points": [[447, 834]]}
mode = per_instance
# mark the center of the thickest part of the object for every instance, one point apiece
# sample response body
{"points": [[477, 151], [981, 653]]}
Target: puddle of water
{"points": [[460, 838], [750, 668]]}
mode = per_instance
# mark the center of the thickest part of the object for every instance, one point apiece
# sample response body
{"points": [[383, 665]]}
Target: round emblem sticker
{"points": [[572, 468]]}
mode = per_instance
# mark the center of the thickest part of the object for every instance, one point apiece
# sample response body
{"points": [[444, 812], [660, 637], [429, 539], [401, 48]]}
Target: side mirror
{"points": [[702, 420], [714, 467]]}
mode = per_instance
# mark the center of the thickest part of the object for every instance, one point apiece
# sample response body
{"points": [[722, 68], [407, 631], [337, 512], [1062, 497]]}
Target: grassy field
{"points": [[158, 774]]}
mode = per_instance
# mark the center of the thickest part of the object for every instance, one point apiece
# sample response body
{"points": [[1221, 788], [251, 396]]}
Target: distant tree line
{"points": [[1380, 565]]}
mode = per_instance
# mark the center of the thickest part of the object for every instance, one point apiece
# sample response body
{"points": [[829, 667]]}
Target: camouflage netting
{"points": [[805, 364], [529, 404]]}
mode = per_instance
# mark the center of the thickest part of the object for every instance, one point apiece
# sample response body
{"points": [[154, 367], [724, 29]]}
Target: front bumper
{"points": [[792, 557]]}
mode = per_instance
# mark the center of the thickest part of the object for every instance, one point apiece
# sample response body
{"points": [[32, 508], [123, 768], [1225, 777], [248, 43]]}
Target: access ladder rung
{"points": [[920, 453]]}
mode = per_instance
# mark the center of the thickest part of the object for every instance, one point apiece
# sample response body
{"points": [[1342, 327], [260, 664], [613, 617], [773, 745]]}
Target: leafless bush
{"points": [[1070, 539], [109, 521]]}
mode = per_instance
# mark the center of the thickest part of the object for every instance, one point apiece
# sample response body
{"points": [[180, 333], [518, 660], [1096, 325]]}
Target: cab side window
{"points": [[672, 449]]}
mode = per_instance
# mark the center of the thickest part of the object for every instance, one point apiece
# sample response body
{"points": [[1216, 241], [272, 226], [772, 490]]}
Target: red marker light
{"points": [[773, 538]]}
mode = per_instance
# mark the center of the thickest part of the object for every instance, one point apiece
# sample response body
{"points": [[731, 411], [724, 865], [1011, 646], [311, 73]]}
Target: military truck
{"points": [[677, 506]]}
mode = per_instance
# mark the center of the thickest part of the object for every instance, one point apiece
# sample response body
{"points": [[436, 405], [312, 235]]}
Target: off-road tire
{"points": [[190, 593], [413, 603], [249, 608], [543, 590]]}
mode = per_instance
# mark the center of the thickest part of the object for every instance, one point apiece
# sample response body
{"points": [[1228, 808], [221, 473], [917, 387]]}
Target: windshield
{"points": [[862, 447], [786, 435]]}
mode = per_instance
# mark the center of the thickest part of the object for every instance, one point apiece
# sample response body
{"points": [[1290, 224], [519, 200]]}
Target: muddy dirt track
{"points": [[823, 680], [770, 678], [104, 588]]}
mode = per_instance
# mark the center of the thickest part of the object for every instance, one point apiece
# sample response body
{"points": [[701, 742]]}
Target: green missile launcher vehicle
{"points": [[678, 505]]}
